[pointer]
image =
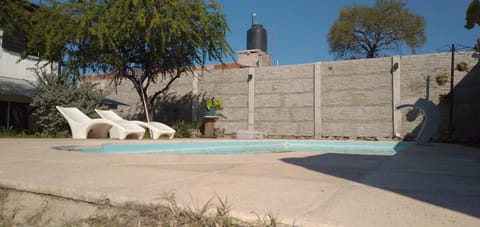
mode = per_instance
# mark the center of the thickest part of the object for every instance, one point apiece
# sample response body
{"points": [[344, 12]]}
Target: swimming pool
{"points": [[240, 147]]}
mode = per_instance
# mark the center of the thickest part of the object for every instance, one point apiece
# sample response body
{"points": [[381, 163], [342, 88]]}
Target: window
{"points": [[13, 42]]}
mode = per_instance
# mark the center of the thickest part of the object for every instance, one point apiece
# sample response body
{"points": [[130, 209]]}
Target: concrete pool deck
{"points": [[421, 186]]}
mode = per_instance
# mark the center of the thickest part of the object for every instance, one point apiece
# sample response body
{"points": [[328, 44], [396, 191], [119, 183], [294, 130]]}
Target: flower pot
{"points": [[441, 79], [211, 112], [462, 66], [443, 98]]}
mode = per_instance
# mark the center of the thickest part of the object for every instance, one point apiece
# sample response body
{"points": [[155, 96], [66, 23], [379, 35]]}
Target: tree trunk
{"points": [[150, 109], [150, 106], [148, 102], [371, 54]]}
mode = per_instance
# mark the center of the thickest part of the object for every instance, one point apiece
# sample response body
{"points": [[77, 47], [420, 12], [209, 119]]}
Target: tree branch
{"points": [[156, 94]]}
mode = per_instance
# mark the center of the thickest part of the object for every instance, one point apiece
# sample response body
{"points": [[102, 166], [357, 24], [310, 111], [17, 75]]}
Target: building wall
{"points": [[354, 98], [10, 66], [16, 91]]}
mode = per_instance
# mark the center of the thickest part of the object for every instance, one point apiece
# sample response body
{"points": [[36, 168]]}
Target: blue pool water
{"points": [[238, 147]]}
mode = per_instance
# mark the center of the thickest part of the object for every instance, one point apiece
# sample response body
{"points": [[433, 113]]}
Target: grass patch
{"points": [[11, 132], [169, 214]]}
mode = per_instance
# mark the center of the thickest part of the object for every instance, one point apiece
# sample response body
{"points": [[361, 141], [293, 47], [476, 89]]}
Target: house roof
{"points": [[16, 90], [111, 102]]}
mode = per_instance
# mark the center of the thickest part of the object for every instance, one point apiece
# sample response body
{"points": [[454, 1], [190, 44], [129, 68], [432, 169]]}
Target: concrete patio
{"points": [[421, 186]]}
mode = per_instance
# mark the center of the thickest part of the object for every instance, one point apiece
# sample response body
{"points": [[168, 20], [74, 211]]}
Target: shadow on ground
{"points": [[442, 177]]}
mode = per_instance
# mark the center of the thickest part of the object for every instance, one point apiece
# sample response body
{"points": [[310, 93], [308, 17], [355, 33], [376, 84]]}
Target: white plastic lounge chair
{"points": [[84, 127], [156, 128]]}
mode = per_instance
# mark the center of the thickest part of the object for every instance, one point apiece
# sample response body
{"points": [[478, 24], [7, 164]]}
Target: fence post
{"points": [[396, 95], [317, 100], [195, 97], [251, 99]]}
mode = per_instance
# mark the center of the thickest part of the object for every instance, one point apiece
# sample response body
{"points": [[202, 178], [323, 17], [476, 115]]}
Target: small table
{"points": [[210, 125]]}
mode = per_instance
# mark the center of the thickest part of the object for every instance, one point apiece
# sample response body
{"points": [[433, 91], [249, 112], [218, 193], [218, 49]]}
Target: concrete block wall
{"points": [[354, 98], [125, 92], [177, 105], [231, 87], [284, 100], [415, 71]]}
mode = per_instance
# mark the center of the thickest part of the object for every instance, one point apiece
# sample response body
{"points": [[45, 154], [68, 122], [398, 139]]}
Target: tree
{"points": [[472, 18], [167, 38], [143, 42], [363, 31], [473, 14], [47, 29]]}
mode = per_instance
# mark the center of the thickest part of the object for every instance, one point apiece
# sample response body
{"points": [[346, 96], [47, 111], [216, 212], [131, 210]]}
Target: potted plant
{"points": [[462, 66], [443, 98], [441, 78], [212, 105]]}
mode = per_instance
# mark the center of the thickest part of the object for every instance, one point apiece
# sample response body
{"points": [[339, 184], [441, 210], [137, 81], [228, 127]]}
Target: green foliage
{"points": [[162, 39], [12, 133], [7, 131], [54, 90], [473, 14], [213, 102], [160, 36], [363, 31], [49, 29], [183, 129], [14, 15]]}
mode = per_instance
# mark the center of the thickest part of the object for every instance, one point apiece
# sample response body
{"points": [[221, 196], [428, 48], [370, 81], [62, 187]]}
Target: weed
{"points": [[267, 220], [169, 214]]}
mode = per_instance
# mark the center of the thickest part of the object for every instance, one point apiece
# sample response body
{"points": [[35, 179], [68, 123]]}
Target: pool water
{"points": [[240, 147]]}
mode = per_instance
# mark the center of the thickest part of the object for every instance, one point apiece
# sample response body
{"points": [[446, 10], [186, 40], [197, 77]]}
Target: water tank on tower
{"points": [[257, 36]]}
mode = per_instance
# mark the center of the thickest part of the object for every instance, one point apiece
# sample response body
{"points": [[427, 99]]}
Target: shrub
{"points": [[57, 90], [183, 129], [7, 131]]}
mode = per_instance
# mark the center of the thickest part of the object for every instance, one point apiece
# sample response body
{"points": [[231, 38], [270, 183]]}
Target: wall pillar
{"points": [[317, 100], [251, 99], [195, 100], [396, 96]]}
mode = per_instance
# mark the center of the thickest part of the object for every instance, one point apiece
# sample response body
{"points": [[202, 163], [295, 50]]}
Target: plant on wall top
{"points": [[213, 102], [441, 78], [462, 66]]}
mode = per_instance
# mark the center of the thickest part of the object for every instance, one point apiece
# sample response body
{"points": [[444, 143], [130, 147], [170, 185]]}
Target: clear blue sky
{"points": [[297, 29]]}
